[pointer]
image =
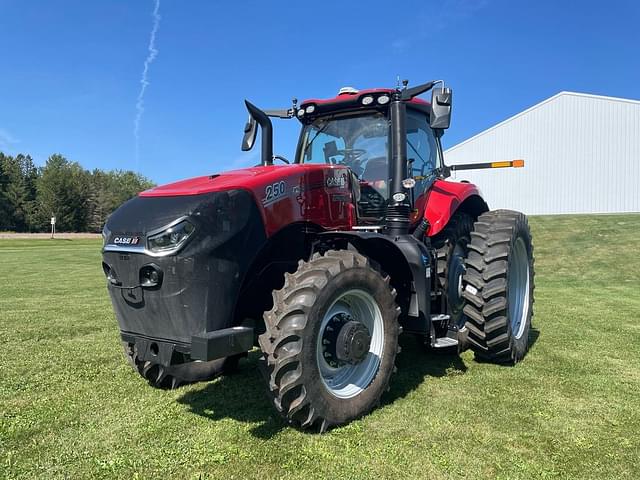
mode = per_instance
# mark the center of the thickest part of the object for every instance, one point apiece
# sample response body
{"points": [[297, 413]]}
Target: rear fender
{"points": [[445, 198], [406, 260]]}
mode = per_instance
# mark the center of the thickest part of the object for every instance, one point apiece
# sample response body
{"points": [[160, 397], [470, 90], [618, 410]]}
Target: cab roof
{"points": [[357, 95], [351, 100]]}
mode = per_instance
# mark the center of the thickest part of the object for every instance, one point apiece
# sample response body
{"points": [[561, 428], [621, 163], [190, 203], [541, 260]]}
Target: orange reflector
{"points": [[500, 164], [517, 163]]}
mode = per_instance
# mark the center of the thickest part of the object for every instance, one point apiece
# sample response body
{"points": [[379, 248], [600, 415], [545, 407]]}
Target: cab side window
{"points": [[422, 150], [318, 153]]}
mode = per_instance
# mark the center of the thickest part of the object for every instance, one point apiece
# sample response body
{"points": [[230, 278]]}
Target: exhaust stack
{"points": [[257, 116]]}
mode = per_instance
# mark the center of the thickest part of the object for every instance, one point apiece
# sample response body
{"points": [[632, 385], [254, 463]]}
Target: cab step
{"points": [[445, 342]]}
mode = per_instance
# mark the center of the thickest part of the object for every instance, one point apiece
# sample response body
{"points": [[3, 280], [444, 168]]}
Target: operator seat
{"points": [[374, 189], [376, 170]]}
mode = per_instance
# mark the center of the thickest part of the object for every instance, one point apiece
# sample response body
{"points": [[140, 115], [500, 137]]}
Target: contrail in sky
{"points": [[144, 81]]}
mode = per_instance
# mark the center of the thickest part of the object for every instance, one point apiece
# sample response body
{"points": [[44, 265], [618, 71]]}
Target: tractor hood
{"points": [[216, 216], [252, 178], [244, 178], [198, 185]]}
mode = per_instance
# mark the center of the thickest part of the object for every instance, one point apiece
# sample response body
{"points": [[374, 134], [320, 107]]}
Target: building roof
{"points": [[538, 105]]}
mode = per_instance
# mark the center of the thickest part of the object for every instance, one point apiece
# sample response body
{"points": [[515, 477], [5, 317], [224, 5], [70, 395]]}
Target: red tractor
{"points": [[324, 261]]}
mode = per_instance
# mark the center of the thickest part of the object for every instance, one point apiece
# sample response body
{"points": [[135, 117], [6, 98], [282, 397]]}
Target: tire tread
{"points": [[487, 269]]}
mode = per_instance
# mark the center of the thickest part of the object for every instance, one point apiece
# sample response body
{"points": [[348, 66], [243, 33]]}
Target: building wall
{"points": [[581, 152]]}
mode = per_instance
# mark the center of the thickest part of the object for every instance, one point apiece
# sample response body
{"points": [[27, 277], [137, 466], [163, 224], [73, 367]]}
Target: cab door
{"points": [[423, 159]]}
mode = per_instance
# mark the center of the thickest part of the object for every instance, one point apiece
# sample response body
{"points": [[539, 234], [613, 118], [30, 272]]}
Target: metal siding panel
{"points": [[582, 155]]}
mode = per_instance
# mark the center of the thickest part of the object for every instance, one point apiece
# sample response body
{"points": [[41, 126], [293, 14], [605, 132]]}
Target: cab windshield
{"points": [[361, 142], [358, 142]]}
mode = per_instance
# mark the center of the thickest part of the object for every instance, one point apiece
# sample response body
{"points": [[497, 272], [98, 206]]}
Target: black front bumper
{"points": [[206, 347], [191, 312]]}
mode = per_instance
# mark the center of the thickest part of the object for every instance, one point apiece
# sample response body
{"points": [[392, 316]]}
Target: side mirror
{"points": [[250, 131], [440, 114]]}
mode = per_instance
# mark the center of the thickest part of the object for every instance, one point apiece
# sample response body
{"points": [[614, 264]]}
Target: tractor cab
{"points": [[388, 138], [361, 141]]}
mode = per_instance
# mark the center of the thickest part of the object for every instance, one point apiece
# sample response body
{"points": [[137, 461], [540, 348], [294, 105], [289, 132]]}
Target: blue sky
{"points": [[71, 69]]}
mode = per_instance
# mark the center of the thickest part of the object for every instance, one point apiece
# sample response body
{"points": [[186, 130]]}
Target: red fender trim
{"points": [[444, 198]]}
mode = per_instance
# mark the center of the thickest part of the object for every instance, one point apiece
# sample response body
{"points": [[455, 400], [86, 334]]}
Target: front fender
{"points": [[406, 260], [445, 198]]}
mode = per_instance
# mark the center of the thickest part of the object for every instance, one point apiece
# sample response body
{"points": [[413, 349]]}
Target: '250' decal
{"points": [[273, 193]]}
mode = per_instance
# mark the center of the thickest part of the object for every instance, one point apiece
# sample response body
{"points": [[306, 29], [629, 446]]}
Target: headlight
{"points": [[170, 239], [368, 100], [383, 99]]}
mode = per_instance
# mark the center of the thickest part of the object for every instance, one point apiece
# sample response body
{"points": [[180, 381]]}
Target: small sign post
{"points": [[53, 226]]}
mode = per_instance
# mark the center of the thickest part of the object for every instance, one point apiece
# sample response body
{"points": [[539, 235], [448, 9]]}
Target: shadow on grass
{"points": [[416, 363], [534, 334], [242, 395]]}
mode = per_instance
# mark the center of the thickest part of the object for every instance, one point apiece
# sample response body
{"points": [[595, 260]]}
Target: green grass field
{"points": [[71, 407]]}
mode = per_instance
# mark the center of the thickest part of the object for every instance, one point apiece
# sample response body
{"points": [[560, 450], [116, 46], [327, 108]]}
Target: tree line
{"points": [[80, 199]]}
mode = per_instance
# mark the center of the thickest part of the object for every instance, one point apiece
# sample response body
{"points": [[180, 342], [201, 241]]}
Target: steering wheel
{"points": [[352, 159], [280, 157], [351, 153]]}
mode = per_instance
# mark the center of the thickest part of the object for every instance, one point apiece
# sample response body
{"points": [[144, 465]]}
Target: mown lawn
{"points": [[70, 406]]}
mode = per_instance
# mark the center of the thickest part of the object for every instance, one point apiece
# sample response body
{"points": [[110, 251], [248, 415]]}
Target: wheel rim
{"points": [[349, 380], [518, 285], [456, 270]]}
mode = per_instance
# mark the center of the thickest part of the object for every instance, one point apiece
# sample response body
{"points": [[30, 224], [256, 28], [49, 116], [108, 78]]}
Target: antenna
{"points": [[404, 83]]}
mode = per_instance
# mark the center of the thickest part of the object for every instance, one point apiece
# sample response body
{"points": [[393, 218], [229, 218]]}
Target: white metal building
{"points": [[581, 153]]}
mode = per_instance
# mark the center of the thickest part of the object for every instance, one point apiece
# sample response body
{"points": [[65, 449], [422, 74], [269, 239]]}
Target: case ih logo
{"points": [[126, 240]]}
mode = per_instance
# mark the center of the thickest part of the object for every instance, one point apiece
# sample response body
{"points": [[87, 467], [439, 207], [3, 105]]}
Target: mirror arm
{"points": [[409, 93], [443, 171], [290, 113]]}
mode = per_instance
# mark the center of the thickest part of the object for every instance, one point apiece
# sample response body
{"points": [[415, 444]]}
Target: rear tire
{"points": [[499, 285], [309, 383], [451, 246]]}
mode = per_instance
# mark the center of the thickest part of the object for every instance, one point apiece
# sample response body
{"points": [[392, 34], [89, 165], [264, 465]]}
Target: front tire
{"points": [[331, 340], [173, 376], [499, 285]]}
